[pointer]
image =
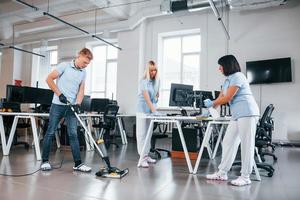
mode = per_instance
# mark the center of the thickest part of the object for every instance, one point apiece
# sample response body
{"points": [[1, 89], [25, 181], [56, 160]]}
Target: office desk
{"points": [[177, 120], [18, 115], [205, 144], [6, 146]]}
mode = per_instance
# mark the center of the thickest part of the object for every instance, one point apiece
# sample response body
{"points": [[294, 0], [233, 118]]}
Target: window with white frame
{"points": [[104, 72], [180, 63], [41, 67]]}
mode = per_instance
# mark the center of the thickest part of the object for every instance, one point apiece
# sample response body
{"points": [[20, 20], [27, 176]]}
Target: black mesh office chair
{"points": [[162, 130], [108, 124], [263, 139]]}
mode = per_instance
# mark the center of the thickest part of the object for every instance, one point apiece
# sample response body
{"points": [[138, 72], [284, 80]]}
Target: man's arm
{"points": [[50, 81], [80, 94]]}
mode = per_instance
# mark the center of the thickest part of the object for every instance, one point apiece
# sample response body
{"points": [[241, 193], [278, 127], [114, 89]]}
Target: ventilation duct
{"points": [[254, 4], [191, 5]]}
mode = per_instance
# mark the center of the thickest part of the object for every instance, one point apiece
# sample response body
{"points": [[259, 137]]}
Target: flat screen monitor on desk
{"points": [[15, 93], [38, 95], [21, 94], [217, 93], [99, 105], [201, 96], [86, 103], [181, 95]]}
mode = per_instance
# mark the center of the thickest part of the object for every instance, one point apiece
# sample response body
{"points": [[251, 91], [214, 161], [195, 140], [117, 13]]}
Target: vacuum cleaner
{"points": [[108, 171]]}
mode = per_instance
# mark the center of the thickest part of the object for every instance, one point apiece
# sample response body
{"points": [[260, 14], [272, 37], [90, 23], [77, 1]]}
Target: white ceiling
{"points": [[24, 21]]}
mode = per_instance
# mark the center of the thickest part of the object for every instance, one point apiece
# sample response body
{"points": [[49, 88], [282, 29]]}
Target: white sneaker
{"points": [[241, 181], [217, 176], [45, 166], [144, 163], [150, 160], [82, 168]]}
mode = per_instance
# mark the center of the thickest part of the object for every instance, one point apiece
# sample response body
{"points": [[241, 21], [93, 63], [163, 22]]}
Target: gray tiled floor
{"points": [[168, 179]]}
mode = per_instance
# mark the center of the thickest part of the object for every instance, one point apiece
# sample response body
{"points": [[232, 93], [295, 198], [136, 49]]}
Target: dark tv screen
{"points": [[269, 71]]}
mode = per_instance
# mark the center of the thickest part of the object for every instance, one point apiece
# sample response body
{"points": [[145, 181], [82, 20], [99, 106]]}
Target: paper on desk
{"points": [[214, 113]]}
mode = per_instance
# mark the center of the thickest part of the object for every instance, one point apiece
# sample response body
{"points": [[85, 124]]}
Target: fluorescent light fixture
{"points": [[23, 50], [95, 36], [62, 21], [26, 4], [19, 49]]}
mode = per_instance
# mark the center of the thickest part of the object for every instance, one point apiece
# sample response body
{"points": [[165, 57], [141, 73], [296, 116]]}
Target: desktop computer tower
{"points": [[191, 138]]}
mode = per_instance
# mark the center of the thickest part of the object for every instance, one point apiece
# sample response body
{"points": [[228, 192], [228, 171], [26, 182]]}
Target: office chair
{"points": [[263, 138], [162, 129], [107, 124]]}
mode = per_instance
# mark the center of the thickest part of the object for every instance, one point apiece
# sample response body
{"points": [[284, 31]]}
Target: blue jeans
{"points": [[57, 112]]}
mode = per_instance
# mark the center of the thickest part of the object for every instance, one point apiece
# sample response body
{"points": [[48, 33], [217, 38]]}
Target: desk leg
{"points": [[147, 140], [11, 135], [256, 171], [207, 135], [187, 157], [122, 131], [35, 139], [2, 132], [218, 141], [57, 139]]}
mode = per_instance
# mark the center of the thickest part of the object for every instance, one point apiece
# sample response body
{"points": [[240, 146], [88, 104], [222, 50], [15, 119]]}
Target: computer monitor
{"points": [[217, 93], [38, 95], [181, 95], [21, 94], [15, 93], [99, 105], [86, 103], [200, 96]]}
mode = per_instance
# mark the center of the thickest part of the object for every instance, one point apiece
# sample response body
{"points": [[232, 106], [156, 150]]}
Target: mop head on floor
{"points": [[112, 172]]}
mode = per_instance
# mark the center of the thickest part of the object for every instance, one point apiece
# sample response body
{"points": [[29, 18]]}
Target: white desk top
{"points": [[187, 118]]}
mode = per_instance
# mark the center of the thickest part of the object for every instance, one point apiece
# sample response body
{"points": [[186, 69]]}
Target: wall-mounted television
{"points": [[269, 71]]}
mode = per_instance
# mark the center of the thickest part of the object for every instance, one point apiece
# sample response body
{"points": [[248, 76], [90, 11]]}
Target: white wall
{"points": [[261, 34], [266, 34], [6, 73], [128, 73]]}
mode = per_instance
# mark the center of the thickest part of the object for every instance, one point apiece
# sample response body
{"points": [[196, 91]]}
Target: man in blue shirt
{"points": [[69, 86]]}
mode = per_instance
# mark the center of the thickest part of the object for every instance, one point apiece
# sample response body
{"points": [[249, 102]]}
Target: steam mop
{"points": [[108, 171]]}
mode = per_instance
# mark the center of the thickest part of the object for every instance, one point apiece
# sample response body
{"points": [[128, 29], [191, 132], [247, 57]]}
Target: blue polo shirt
{"points": [[69, 81], [145, 85], [243, 103]]}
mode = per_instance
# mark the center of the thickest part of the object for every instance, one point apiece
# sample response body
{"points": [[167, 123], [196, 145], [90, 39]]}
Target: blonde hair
{"points": [[147, 71], [86, 52], [147, 75]]}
